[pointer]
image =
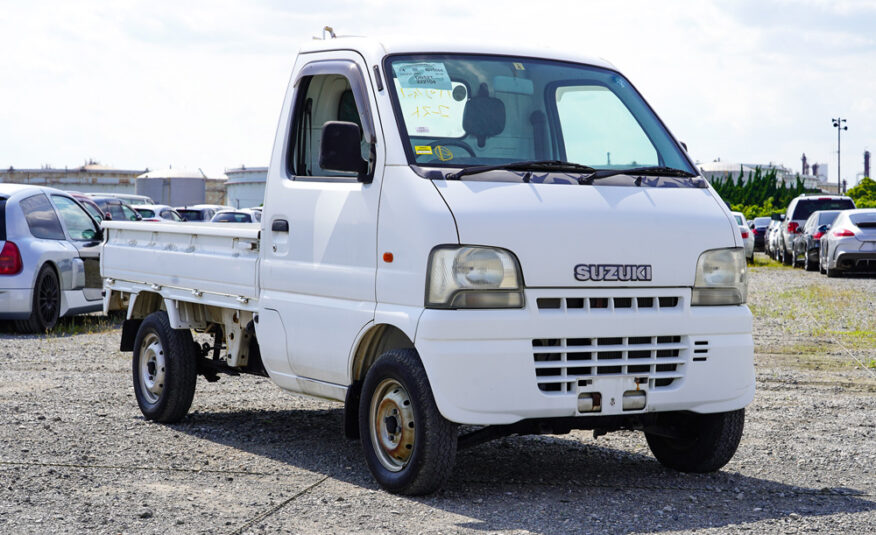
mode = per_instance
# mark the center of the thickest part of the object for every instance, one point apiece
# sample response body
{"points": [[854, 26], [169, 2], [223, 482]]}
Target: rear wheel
{"points": [[409, 447], [165, 369], [704, 442], [808, 264], [46, 305], [787, 257]]}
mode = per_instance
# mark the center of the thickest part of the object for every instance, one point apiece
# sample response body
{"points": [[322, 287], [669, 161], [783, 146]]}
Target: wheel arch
{"points": [[142, 304], [377, 340]]}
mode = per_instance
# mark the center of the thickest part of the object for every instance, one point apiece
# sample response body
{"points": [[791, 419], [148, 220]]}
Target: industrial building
{"points": [[181, 187], [90, 177]]}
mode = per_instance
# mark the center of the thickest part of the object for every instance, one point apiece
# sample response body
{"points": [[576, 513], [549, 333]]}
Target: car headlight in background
{"points": [[473, 277], [722, 278]]}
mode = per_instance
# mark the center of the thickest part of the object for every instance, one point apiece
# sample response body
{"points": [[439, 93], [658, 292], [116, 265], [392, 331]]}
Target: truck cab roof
{"points": [[375, 50]]}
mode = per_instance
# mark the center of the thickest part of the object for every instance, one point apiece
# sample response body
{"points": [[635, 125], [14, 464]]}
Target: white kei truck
{"points": [[458, 243]]}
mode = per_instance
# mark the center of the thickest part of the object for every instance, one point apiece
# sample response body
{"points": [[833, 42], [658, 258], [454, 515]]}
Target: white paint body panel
{"points": [[318, 288]]}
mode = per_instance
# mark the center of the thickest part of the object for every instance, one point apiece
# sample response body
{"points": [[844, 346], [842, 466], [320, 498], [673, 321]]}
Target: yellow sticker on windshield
{"points": [[443, 153], [519, 66], [423, 149]]}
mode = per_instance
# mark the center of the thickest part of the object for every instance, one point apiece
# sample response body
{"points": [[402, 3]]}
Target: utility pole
{"points": [[838, 124]]}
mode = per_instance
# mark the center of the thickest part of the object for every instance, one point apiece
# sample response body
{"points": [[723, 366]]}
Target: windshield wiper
{"points": [[531, 165], [638, 171]]}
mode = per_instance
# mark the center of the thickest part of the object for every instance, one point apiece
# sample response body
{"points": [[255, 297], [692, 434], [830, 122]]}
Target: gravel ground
{"points": [[77, 457]]}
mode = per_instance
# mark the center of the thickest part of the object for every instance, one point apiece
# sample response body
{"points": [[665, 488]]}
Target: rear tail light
{"points": [[755, 232], [10, 259], [817, 235], [843, 233], [793, 227], [744, 235]]}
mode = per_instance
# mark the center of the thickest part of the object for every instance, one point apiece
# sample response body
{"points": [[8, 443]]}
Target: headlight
{"points": [[722, 278], [473, 277]]}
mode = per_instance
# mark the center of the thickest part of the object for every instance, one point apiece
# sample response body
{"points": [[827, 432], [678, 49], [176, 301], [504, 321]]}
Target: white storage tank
{"points": [[245, 187]]}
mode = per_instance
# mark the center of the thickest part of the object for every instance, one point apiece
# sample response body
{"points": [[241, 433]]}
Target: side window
{"points": [[321, 98], [41, 218], [128, 214], [79, 224], [599, 130], [115, 209], [94, 212]]}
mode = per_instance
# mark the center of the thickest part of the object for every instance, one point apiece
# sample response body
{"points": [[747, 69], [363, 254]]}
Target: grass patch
{"points": [[763, 261], [73, 325], [86, 324]]}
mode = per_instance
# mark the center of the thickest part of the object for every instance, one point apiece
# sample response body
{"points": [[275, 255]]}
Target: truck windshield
{"points": [[459, 111]]}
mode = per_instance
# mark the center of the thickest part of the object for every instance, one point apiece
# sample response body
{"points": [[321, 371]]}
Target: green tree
{"points": [[761, 194], [864, 194]]}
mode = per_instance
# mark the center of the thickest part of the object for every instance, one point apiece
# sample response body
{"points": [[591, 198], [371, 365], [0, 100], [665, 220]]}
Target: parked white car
{"points": [[157, 212], [747, 235], [49, 250]]}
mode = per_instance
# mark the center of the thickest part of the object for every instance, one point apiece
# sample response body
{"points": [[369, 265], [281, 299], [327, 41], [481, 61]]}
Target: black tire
{"points": [[787, 258], [713, 439], [46, 305], [808, 264], [831, 273], [409, 446], [164, 368]]}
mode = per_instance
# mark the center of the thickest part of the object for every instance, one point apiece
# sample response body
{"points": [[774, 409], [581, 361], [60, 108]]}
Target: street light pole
{"points": [[838, 124]]}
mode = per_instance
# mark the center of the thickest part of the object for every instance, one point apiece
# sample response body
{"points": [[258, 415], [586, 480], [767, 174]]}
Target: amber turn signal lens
{"points": [[387, 257]]}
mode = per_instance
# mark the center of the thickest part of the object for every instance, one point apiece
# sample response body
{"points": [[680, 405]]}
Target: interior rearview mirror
{"points": [[340, 149]]}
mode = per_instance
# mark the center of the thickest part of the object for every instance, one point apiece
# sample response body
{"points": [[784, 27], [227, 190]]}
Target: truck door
{"points": [[319, 233]]}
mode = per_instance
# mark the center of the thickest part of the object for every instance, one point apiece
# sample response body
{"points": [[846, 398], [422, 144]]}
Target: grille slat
{"points": [[590, 349]]}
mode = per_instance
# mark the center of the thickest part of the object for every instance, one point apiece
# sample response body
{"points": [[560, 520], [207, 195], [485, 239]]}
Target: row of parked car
{"points": [[50, 247], [141, 208], [820, 232]]}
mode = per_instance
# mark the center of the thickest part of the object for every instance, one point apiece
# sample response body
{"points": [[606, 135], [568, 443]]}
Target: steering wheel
{"points": [[455, 143]]}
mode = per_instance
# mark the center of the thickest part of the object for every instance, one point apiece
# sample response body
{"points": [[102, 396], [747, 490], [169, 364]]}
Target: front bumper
{"points": [[15, 304], [501, 366]]}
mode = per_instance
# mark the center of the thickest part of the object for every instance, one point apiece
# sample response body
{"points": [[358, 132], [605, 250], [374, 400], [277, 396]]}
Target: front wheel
{"points": [[409, 446], [700, 442], [165, 369]]}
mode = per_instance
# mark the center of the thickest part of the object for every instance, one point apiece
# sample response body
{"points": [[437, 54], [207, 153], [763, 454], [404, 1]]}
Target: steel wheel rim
{"points": [[391, 422], [47, 299], [152, 368]]}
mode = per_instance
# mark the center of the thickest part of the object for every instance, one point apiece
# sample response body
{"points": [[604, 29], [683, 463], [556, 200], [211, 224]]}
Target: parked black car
{"points": [[807, 244], [116, 209], [759, 229]]}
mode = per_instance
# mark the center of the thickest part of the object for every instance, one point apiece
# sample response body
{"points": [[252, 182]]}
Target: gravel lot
{"points": [[77, 457]]}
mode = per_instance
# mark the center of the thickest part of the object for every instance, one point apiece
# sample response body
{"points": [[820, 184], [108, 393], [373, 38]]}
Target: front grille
{"points": [[562, 364], [609, 304]]}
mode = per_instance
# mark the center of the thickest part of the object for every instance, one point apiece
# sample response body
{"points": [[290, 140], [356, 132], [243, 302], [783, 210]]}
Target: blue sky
{"points": [[139, 84]]}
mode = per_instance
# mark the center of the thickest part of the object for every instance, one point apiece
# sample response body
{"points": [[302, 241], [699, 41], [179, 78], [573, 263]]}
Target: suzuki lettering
{"points": [[613, 272]]}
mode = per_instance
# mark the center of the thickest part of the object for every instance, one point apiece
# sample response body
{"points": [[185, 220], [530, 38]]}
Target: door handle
{"points": [[280, 225]]}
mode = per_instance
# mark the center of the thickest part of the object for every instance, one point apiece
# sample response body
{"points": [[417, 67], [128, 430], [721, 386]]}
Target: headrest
{"points": [[484, 116]]}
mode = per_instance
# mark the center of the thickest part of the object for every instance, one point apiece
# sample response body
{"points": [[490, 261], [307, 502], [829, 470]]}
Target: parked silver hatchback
{"points": [[49, 257], [850, 245]]}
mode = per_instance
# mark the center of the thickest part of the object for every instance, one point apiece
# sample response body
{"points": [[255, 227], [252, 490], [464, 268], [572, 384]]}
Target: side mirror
{"points": [[108, 216], [339, 149]]}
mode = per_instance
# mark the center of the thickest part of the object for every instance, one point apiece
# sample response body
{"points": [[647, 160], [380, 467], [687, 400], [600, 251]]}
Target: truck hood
{"points": [[554, 229]]}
